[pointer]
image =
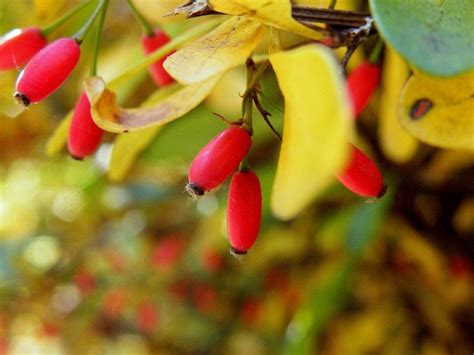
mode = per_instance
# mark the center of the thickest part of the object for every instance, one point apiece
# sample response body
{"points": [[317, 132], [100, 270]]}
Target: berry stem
{"points": [[81, 34], [100, 28], [50, 28], [146, 27], [162, 51], [376, 53]]}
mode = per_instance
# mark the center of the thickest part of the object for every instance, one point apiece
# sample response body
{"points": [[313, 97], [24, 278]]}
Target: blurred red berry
{"points": [[47, 70], [361, 85], [114, 302], [251, 311], [218, 159], [84, 135], [362, 176], [85, 282], [212, 260], [19, 45], [244, 211], [168, 251], [460, 266], [150, 44], [146, 317], [204, 297]]}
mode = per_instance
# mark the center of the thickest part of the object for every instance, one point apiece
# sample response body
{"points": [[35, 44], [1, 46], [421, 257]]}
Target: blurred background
{"points": [[91, 266]]}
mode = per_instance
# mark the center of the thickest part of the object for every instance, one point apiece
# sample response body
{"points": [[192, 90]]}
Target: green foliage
{"points": [[434, 36]]}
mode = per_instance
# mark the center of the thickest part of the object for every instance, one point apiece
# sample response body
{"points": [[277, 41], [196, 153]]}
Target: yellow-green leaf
{"points": [[46, 10], [113, 118], [59, 137], [225, 47], [396, 143], [128, 146], [317, 126], [439, 111], [274, 13], [274, 41]]}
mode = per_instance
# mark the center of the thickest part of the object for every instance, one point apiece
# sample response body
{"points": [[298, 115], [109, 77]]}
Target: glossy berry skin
{"points": [[244, 211], [19, 45], [47, 70], [361, 85], [362, 176], [218, 160], [150, 44], [84, 135]]}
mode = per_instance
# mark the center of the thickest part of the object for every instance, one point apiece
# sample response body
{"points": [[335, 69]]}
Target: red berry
{"points": [[251, 311], [150, 44], [212, 260], [168, 251], [47, 70], [244, 211], [361, 176], [361, 84], [204, 297], [146, 317], [218, 159], [84, 135], [85, 281], [19, 45]]}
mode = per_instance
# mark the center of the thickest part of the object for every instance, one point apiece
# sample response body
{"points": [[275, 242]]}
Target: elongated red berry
{"points": [[19, 45], [218, 160], [47, 70], [244, 211], [84, 135], [150, 44], [361, 84], [362, 176]]}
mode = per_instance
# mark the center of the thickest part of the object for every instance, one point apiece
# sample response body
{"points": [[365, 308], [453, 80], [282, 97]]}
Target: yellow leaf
{"points": [[8, 106], [317, 125], [274, 13], [226, 98], [113, 118], [59, 137], [397, 144], [439, 111], [225, 47], [340, 4], [46, 10], [155, 11], [274, 41], [128, 146]]}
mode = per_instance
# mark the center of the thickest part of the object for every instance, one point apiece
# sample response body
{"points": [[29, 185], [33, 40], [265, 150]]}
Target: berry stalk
{"points": [[98, 38], [146, 27], [81, 34], [46, 31]]}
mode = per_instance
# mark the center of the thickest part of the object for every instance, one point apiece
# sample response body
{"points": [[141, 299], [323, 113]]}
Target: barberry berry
{"points": [[217, 160], [84, 135], [361, 85], [150, 44], [362, 176], [244, 211], [19, 45], [47, 70]]}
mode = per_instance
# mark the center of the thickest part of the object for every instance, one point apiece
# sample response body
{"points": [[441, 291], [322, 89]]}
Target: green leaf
{"points": [[435, 36], [323, 302], [327, 297]]}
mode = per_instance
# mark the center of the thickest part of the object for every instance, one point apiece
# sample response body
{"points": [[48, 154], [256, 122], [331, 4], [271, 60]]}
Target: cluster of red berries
{"points": [[212, 166], [47, 68], [361, 175]]}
